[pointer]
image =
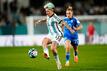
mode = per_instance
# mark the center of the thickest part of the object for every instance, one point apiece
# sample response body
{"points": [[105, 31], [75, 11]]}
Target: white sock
{"points": [[57, 58], [46, 51]]}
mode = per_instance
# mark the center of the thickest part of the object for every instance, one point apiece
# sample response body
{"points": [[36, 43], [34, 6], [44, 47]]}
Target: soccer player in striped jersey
{"points": [[55, 34], [71, 38]]}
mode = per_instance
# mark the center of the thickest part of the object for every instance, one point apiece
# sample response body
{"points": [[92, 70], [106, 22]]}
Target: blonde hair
{"points": [[69, 8]]}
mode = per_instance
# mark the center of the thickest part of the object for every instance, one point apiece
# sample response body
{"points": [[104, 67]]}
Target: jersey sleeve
{"points": [[77, 23], [57, 19]]}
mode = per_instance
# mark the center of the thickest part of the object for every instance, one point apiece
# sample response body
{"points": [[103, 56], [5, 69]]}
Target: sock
{"points": [[56, 57], [75, 51], [46, 51], [67, 56]]}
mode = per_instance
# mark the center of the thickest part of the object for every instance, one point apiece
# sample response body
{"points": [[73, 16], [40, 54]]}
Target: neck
{"points": [[70, 17], [51, 15]]}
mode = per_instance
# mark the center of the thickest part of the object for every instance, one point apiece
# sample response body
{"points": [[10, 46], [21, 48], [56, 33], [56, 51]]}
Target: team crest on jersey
{"points": [[71, 21]]}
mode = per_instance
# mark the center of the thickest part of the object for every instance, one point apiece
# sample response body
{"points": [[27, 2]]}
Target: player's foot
{"points": [[67, 64], [76, 59], [46, 56], [59, 66]]}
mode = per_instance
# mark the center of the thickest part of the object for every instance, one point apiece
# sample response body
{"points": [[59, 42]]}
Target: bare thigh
{"points": [[46, 41]]}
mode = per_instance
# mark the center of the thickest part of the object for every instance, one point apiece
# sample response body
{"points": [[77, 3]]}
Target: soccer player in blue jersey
{"points": [[71, 38]]}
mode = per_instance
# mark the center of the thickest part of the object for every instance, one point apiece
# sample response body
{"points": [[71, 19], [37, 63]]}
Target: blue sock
{"points": [[67, 56], [76, 53]]}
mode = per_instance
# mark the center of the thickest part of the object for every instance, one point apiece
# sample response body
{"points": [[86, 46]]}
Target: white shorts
{"points": [[55, 37]]}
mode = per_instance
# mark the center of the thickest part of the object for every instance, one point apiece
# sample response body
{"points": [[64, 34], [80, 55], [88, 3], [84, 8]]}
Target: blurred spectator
{"points": [[2, 22], [5, 6], [5, 19], [10, 9], [13, 6], [35, 11], [90, 32]]}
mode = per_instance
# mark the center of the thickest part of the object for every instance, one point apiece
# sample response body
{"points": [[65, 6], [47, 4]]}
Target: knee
{"points": [[45, 41], [67, 45], [67, 48], [52, 49]]}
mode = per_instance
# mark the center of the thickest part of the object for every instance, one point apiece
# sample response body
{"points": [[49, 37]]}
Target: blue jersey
{"points": [[72, 22]]}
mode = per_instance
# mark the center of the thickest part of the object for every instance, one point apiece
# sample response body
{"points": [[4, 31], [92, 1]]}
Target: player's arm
{"points": [[65, 24], [78, 28], [39, 21]]}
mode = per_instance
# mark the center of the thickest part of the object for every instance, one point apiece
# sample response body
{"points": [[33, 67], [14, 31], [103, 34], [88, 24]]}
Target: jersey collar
{"points": [[51, 15]]}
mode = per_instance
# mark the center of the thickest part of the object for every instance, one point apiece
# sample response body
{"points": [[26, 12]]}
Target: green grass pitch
{"points": [[91, 58]]}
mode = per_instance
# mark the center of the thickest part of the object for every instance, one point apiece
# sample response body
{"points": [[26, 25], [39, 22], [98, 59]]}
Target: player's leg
{"points": [[75, 47], [45, 43], [67, 45], [54, 51], [91, 39], [75, 54]]}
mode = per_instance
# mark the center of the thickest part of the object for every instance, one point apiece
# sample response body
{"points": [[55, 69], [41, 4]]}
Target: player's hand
{"points": [[71, 30], [38, 21], [74, 28]]}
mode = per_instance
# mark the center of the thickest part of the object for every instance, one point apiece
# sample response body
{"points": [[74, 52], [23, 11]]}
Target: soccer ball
{"points": [[32, 53]]}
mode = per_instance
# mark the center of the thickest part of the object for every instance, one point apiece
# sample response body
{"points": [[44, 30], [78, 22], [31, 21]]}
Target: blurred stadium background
{"points": [[17, 20], [17, 29]]}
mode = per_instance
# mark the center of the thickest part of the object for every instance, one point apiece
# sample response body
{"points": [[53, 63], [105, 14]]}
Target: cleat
{"points": [[46, 56], [59, 66], [76, 59], [67, 64]]}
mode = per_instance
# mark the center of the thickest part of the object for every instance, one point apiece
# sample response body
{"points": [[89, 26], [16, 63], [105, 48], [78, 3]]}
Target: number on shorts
{"points": [[58, 38]]}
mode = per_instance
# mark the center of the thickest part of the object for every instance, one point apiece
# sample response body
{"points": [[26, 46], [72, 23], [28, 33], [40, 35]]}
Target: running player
{"points": [[71, 38], [55, 32]]}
